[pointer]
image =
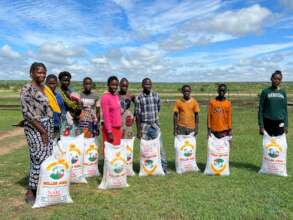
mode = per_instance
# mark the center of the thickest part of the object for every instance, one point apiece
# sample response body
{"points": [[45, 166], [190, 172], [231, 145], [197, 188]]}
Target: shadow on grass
{"points": [[201, 166], [23, 181], [247, 166]]}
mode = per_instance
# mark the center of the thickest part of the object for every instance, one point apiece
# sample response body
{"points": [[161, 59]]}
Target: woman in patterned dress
{"points": [[38, 125]]}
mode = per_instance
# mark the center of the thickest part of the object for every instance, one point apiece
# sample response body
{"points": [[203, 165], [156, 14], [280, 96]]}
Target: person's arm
{"points": [[31, 117], [260, 112], [209, 118], [286, 112], [98, 111], [175, 119], [106, 116], [137, 113], [196, 118], [230, 119], [159, 103]]}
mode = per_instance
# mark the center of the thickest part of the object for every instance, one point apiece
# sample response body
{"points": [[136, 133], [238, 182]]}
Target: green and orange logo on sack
{"points": [[218, 165], [149, 167], [57, 169], [273, 148], [118, 164], [74, 153], [92, 153], [187, 148]]}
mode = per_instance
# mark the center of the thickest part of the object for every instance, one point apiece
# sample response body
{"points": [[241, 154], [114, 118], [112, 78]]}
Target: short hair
{"points": [[222, 85], [111, 78], [51, 76], [184, 86], [36, 65], [63, 74], [87, 78], [145, 79], [277, 72], [124, 79]]}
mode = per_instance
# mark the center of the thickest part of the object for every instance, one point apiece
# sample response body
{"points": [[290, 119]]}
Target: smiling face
{"points": [[39, 75], [113, 86], [276, 80]]}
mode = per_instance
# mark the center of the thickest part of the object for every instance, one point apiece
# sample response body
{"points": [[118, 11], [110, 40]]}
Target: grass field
{"points": [[243, 195], [9, 118]]}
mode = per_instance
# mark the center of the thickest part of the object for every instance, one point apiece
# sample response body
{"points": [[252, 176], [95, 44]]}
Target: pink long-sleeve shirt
{"points": [[111, 109]]}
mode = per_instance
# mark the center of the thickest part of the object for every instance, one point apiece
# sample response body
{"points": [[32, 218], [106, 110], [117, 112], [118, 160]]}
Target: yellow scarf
{"points": [[52, 100]]}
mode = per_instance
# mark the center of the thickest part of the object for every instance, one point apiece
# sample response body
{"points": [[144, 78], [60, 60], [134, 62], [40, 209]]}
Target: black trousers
{"points": [[274, 127]]}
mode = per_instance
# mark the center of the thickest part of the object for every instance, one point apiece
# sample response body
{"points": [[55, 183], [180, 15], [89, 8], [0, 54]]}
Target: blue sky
{"points": [[169, 41]]}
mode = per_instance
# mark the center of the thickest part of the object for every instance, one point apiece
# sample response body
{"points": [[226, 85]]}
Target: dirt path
{"points": [[11, 140], [10, 133]]}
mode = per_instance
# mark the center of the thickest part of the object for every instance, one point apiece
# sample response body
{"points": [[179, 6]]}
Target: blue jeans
{"points": [[151, 133]]}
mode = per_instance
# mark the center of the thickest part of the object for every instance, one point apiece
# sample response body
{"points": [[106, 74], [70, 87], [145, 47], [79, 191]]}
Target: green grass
{"points": [[9, 118], [243, 195]]}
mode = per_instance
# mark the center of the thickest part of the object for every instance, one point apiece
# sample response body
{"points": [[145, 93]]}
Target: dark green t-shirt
{"points": [[273, 105]]}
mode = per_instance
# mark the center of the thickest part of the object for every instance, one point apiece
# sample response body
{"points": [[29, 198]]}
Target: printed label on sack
{"points": [[218, 165], [118, 165], [149, 166], [56, 171], [74, 154], [187, 150], [91, 154], [273, 149]]}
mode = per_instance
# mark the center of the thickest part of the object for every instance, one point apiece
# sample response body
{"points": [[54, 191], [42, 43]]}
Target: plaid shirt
{"points": [[147, 107]]}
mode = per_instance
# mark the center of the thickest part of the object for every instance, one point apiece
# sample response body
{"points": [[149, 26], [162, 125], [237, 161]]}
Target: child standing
{"points": [[147, 108], [90, 115], [186, 114], [51, 82], [220, 114]]}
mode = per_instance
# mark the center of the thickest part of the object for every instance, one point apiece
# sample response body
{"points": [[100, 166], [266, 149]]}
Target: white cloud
{"points": [[237, 23], [7, 52], [57, 53], [215, 28]]}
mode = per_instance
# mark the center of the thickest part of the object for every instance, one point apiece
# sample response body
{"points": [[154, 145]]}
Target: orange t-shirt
{"points": [[219, 115], [186, 110]]}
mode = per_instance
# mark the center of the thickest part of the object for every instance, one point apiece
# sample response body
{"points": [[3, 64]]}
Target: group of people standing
{"points": [[49, 112]]}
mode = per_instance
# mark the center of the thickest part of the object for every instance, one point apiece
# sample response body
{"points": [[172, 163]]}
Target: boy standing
{"points": [[147, 108], [51, 82], [186, 114], [220, 114]]}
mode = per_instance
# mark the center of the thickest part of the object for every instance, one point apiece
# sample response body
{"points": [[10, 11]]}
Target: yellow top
{"points": [[52, 100]]}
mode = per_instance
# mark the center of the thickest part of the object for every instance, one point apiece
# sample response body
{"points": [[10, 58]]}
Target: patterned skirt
{"points": [[38, 151]]}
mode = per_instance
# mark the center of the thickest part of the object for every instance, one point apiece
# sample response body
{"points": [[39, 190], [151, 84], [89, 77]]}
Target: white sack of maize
{"points": [[75, 151], [128, 144], [150, 158], [185, 153], [274, 155], [91, 157], [114, 175], [218, 156], [54, 180]]}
